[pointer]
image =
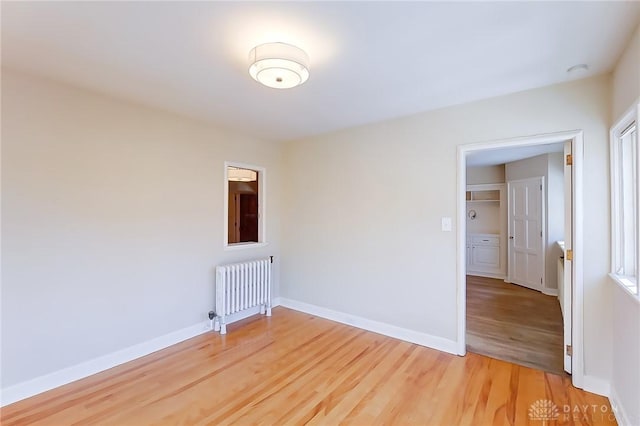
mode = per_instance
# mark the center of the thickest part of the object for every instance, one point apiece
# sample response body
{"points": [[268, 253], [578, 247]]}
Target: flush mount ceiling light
{"points": [[236, 174], [579, 68], [279, 65]]}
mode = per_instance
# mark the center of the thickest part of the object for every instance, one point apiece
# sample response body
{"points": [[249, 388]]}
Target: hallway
{"points": [[513, 323]]}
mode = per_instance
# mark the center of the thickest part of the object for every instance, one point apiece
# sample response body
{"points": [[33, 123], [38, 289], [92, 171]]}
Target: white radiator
{"points": [[241, 286]]}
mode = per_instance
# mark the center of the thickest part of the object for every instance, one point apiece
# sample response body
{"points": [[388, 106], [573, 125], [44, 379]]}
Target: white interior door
{"points": [[567, 287], [525, 232]]}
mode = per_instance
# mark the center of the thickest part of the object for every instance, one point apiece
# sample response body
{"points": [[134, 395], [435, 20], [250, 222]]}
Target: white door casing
{"points": [[525, 232], [576, 137], [567, 282]]}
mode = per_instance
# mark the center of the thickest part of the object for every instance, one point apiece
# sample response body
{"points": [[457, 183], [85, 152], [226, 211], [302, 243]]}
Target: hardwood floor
{"points": [[513, 323], [294, 368]]}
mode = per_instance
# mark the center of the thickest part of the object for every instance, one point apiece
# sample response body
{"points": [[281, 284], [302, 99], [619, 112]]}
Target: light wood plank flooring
{"points": [[513, 323], [294, 368]]}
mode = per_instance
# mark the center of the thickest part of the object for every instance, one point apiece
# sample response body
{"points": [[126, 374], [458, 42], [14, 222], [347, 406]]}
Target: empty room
{"points": [[395, 213]]}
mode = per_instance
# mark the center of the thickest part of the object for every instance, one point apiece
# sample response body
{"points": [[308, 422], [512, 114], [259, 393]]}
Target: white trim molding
{"points": [[630, 116], [549, 291], [620, 282], [596, 385], [58, 378], [411, 336], [577, 142], [262, 208], [489, 275], [618, 409]]}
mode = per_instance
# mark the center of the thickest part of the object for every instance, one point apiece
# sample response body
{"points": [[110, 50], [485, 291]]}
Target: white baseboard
{"points": [[618, 409], [58, 378], [487, 275], [549, 291], [423, 339], [596, 385]]}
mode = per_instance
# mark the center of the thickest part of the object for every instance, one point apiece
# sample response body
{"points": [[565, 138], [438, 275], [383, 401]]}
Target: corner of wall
{"points": [[67, 375], [411, 336], [618, 409]]}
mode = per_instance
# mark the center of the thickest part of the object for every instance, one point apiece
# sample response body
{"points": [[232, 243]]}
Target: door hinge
{"points": [[568, 255], [540, 280], [569, 350], [569, 161]]}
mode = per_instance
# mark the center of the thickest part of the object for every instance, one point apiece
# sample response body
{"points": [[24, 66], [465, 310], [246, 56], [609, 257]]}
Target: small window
{"points": [[625, 195], [244, 201]]}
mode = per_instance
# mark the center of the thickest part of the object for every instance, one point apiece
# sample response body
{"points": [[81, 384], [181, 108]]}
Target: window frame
{"points": [[630, 283], [262, 203]]}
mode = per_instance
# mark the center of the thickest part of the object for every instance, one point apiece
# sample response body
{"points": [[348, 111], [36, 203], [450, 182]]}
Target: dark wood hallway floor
{"points": [[513, 323]]}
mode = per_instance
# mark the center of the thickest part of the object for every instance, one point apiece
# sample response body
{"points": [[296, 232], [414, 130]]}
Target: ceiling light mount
{"points": [[579, 68], [279, 65]]}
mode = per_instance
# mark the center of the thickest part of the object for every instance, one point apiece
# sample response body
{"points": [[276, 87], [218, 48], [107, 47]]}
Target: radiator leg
{"points": [[269, 310], [216, 324], [262, 309], [223, 326]]}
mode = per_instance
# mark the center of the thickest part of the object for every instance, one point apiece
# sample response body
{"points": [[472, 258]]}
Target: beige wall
{"points": [[380, 253], [112, 216], [527, 168], [625, 378], [626, 77], [486, 174], [112, 223], [555, 215], [488, 219]]}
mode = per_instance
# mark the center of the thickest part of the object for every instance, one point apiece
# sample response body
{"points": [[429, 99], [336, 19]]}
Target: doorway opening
{"points": [[509, 245], [243, 213]]}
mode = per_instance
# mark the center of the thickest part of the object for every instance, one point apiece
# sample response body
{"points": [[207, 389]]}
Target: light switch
{"points": [[446, 224]]}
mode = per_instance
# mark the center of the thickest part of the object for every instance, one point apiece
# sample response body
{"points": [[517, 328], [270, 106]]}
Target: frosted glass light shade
{"points": [[235, 174], [279, 65]]}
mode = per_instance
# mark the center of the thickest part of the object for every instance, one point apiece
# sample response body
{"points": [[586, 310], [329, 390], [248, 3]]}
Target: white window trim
{"points": [[262, 207], [633, 113], [623, 283]]}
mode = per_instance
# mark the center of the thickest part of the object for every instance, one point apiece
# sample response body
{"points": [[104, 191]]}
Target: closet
{"points": [[486, 216]]}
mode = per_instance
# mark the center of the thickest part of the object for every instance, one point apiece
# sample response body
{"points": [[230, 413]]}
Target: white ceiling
{"points": [[370, 61], [494, 157]]}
